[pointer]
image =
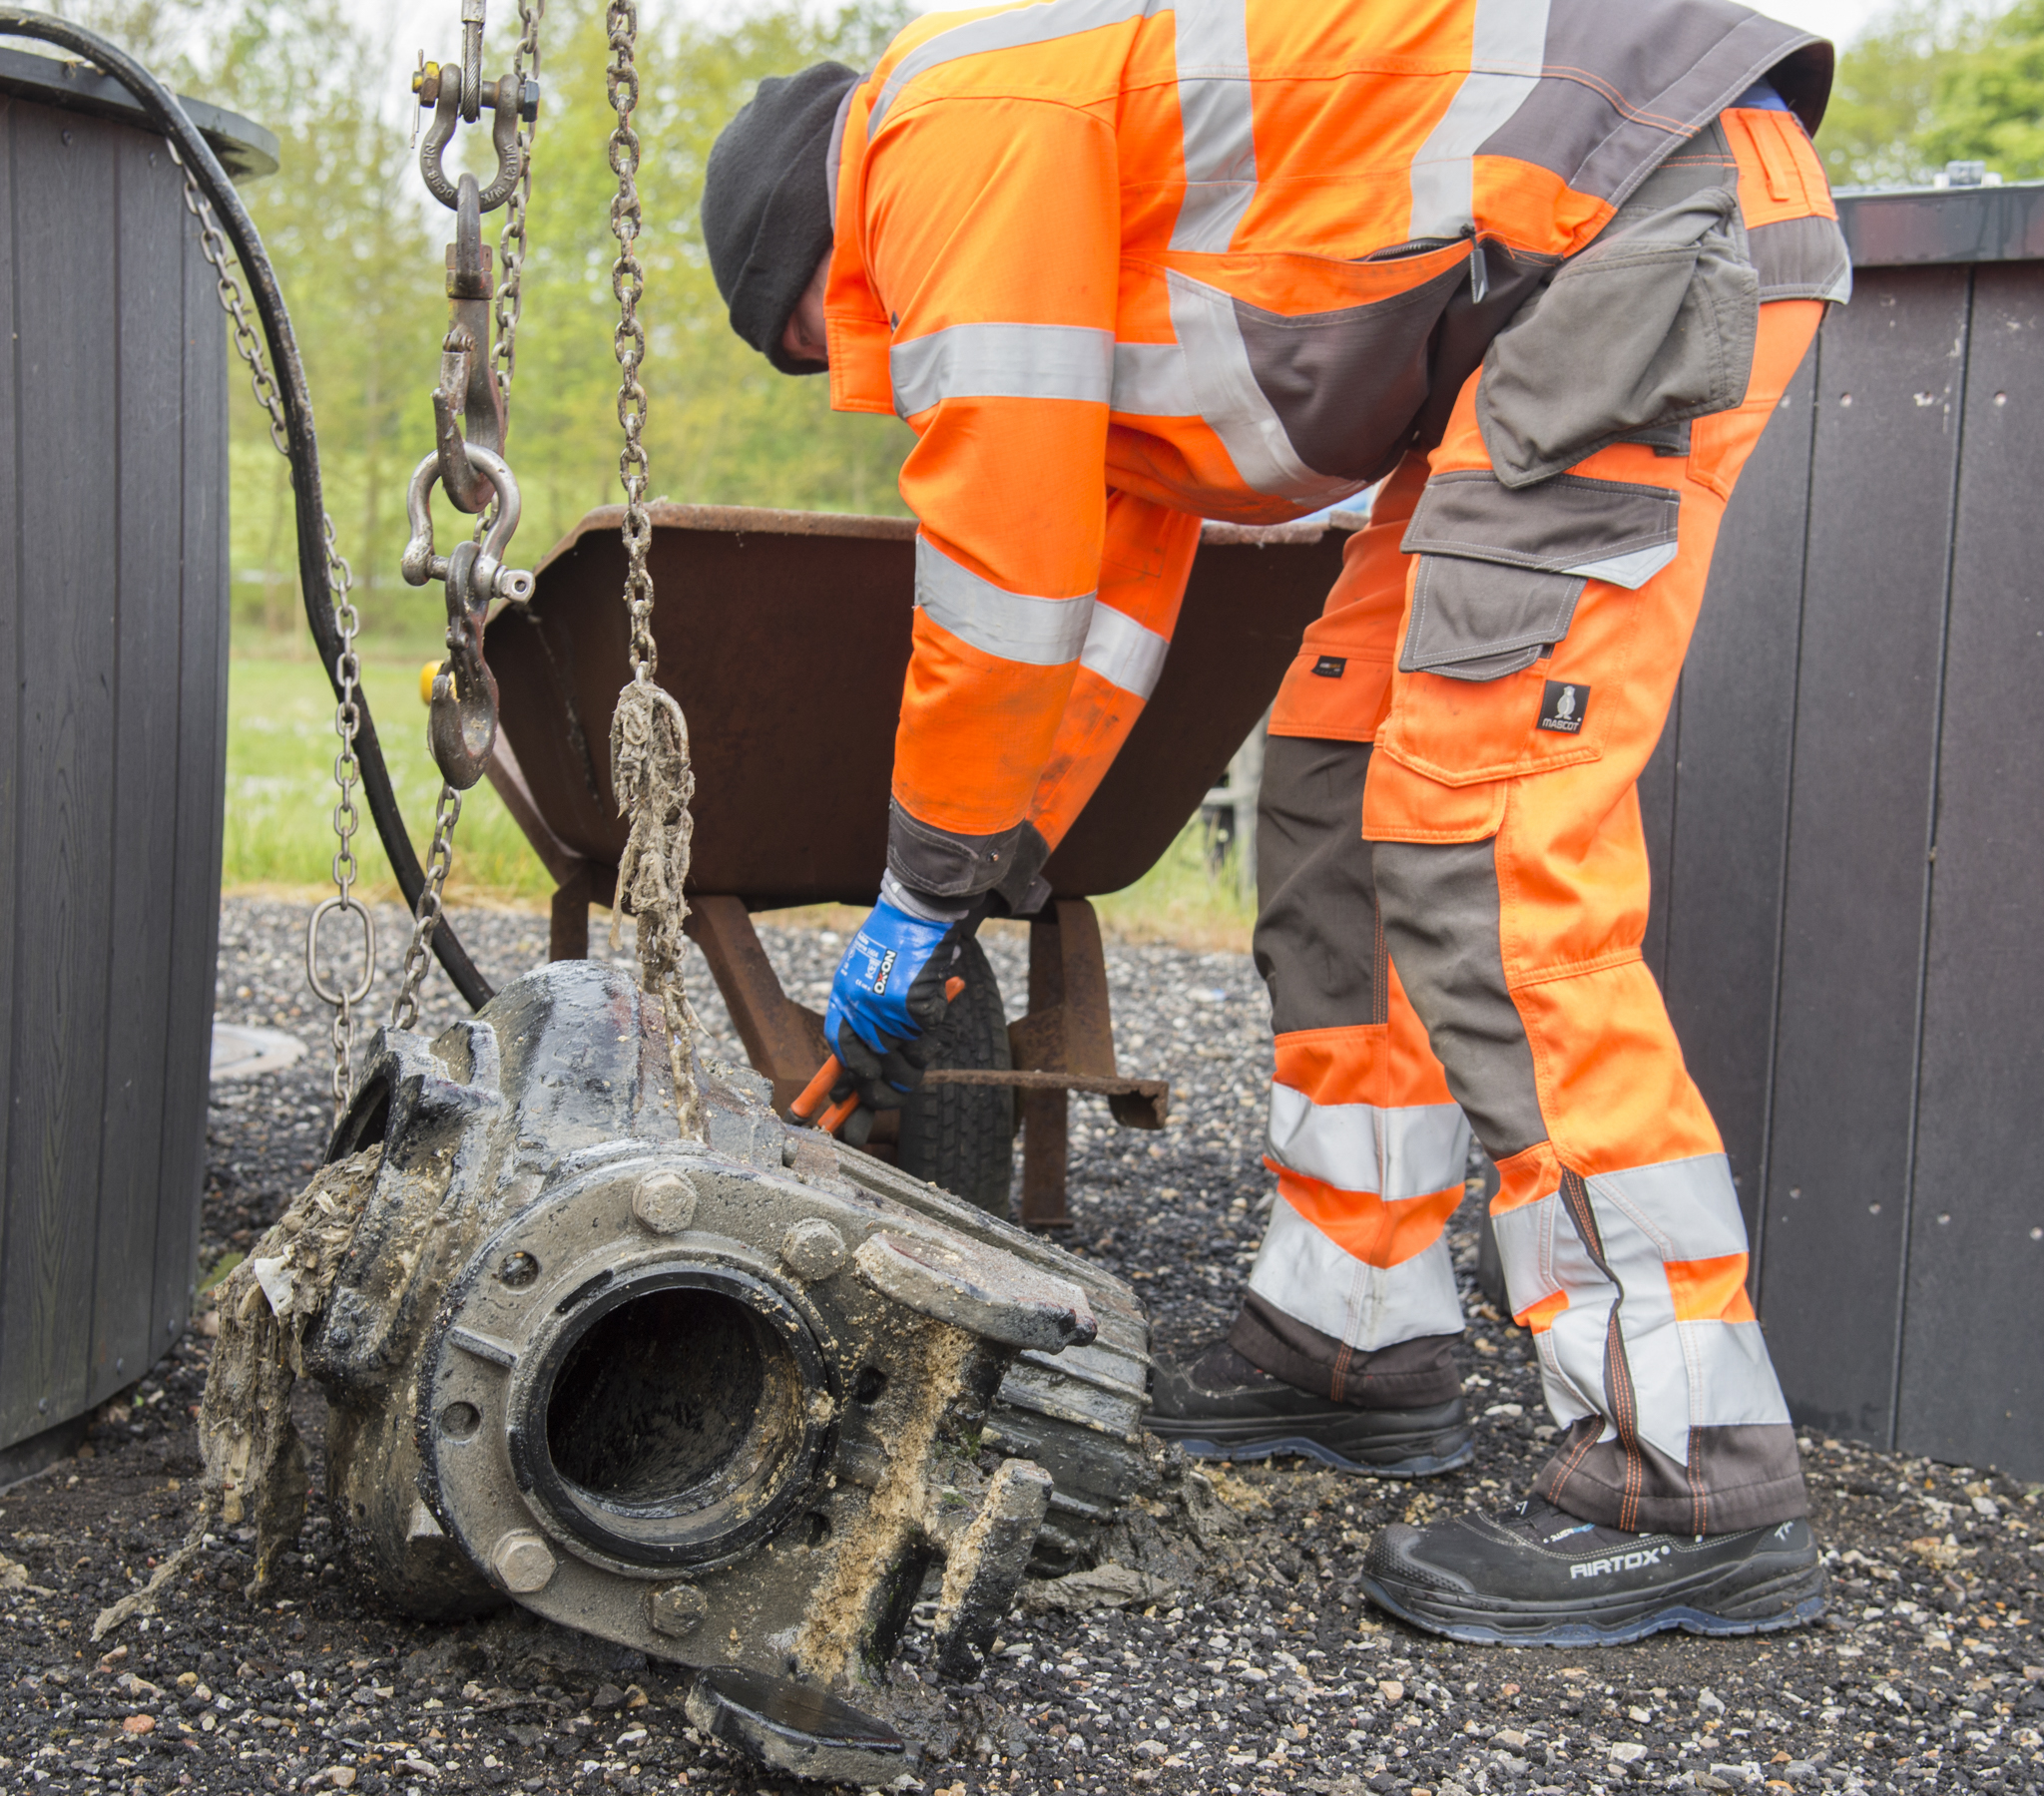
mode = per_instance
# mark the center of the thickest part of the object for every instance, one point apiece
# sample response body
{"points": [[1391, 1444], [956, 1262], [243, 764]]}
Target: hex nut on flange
{"points": [[522, 1561], [675, 1610], [665, 1202], [812, 1248]]}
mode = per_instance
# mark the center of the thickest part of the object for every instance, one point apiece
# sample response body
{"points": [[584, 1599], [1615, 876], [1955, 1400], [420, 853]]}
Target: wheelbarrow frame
{"points": [[757, 607]]}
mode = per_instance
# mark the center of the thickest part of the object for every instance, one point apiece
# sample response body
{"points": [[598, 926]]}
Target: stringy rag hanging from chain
{"points": [[650, 769]]}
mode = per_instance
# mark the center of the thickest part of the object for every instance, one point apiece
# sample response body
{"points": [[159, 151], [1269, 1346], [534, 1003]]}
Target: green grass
{"points": [[280, 792], [279, 829], [1184, 900]]}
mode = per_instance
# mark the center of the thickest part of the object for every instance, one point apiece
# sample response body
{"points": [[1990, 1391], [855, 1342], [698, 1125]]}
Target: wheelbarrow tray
{"points": [[786, 637]]}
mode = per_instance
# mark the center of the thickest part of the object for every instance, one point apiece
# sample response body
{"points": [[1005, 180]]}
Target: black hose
{"points": [[169, 116]]}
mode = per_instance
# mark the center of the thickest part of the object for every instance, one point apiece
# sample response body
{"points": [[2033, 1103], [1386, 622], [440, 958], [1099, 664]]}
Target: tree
{"points": [[1885, 95], [1938, 81], [1989, 103], [357, 242]]}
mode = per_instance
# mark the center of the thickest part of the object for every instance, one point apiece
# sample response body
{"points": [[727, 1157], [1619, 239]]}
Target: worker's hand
{"points": [[889, 992]]}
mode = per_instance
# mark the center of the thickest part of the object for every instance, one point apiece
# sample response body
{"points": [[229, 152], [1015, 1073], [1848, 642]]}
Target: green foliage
{"points": [[1938, 81], [1885, 91], [723, 426], [357, 246], [1991, 98]]}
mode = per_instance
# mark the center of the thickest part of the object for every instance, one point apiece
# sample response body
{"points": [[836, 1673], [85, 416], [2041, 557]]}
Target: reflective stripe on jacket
{"points": [[1124, 263]]}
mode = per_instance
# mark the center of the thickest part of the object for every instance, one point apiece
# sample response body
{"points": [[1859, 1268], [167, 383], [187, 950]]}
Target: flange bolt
{"points": [[813, 1249], [675, 1610], [523, 1562], [664, 1203]]}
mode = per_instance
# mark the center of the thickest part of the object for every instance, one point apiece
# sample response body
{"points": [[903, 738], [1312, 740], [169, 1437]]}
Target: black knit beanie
{"points": [[766, 205]]}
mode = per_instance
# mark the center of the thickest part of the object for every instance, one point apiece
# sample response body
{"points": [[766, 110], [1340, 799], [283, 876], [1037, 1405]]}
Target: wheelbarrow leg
{"points": [[1046, 1151], [1069, 1029], [781, 1039], [568, 930]]}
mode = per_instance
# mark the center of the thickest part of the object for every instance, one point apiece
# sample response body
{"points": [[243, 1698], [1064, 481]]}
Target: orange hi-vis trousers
{"points": [[1491, 675]]}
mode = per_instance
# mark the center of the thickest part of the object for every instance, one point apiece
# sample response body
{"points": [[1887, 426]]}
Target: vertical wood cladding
{"points": [[1849, 929], [113, 634]]}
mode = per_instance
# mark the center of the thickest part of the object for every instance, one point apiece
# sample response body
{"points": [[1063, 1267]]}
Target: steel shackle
{"points": [[491, 577]]}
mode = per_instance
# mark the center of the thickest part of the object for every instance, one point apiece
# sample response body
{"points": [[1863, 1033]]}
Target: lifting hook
{"points": [[468, 384]]}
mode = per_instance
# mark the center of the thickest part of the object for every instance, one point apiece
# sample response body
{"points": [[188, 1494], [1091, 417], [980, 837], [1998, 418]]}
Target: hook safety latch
{"points": [[462, 729]]}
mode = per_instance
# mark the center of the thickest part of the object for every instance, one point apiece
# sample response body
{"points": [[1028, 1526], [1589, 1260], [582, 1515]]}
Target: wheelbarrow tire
{"points": [[963, 1136]]}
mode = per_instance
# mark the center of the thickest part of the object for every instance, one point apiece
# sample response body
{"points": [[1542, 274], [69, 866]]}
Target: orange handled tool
{"points": [[817, 1091]]}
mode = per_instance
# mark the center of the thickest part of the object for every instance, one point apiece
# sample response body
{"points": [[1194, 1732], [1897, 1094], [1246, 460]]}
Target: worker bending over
{"points": [[1544, 267]]}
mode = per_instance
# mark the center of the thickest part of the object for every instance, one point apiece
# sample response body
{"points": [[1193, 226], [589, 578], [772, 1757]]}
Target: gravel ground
{"points": [[1262, 1672]]}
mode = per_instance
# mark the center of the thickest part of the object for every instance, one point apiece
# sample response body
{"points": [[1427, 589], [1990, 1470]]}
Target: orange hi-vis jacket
{"points": [[1126, 263]]}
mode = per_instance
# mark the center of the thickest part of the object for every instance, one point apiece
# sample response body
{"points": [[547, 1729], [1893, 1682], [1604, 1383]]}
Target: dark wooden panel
{"points": [[10, 704], [63, 175], [201, 754], [1859, 822], [1973, 1380], [148, 357], [1730, 805]]}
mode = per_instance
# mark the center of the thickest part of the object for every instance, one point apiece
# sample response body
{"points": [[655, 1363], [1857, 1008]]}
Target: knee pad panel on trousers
{"points": [[1317, 943], [1440, 909]]}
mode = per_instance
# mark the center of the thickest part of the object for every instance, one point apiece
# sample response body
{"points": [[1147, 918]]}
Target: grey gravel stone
{"points": [[1263, 1673]]}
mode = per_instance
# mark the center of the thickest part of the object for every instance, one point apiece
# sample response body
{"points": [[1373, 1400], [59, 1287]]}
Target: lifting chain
{"points": [[404, 1008], [628, 282], [650, 770], [511, 246], [348, 667], [471, 466]]}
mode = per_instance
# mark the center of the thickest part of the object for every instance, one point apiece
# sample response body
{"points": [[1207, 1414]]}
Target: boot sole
{"points": [[1787, 1600], [1420, 1456]]}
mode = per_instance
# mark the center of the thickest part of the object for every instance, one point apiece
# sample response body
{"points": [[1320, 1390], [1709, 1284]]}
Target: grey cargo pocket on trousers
{"points": [[1654, 323], [1475, 620], [1500, 570]]}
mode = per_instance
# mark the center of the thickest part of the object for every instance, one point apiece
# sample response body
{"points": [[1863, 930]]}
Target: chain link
{"points": [[511, 246], [650, 766], [348, 669], [212, 244], [628, 282], [404, 1009]]}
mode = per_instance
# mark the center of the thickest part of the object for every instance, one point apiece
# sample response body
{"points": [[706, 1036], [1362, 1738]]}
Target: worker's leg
{"points": [[1343, 1339], [1341, 1347], [1352, 1294], [1515, 883], [1550, 613], [1512, 876]]}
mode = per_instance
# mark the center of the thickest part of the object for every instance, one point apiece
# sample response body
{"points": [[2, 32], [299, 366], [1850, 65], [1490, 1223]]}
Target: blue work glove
{"points": [[887, 992]]}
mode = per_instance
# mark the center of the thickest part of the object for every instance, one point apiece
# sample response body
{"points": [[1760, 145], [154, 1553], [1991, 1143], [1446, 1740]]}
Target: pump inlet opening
{"points": [[676, 1413]]}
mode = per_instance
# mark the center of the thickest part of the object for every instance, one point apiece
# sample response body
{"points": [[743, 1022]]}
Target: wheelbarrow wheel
{"points": [[963, 1136]]}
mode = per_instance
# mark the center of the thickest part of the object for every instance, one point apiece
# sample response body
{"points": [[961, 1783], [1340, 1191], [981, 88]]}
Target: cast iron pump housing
{"points": [[724, 1402]]}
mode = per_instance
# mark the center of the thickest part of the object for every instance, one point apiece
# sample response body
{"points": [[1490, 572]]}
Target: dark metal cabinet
{"points": [[113, 727], [1848, 820]]}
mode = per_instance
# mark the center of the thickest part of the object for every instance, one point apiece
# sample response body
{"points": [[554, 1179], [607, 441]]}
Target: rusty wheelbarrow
{"points": [[786, 636]]}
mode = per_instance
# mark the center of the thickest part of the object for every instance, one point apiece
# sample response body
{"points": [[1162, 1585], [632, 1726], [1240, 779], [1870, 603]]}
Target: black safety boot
{"points": [[1222, 1407], [1536, 1576]]}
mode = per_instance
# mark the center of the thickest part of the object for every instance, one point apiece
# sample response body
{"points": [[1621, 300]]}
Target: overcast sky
{"points": [[434, 22]]}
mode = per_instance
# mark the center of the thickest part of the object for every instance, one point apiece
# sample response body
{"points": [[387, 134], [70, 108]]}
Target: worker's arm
{"points": [[1143, 568], [990, 233]]}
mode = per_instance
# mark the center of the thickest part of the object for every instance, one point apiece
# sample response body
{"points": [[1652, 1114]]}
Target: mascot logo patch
{"points": [[1563, 706]]}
